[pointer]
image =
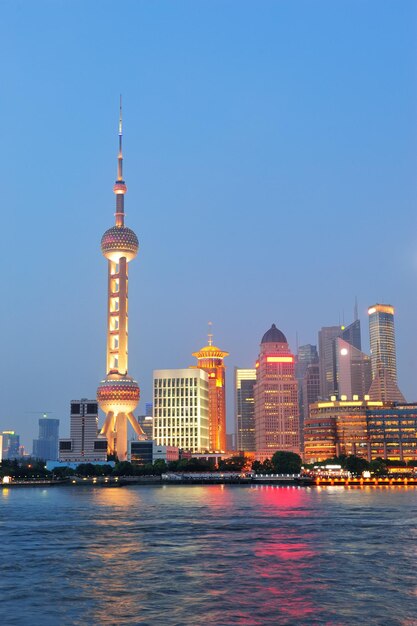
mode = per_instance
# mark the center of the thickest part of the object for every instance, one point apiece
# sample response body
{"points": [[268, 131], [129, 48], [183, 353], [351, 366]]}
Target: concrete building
{"points": [[245, 380], [353, 370], [276, 398], [211, 360], [47, 445], [83, 445], [181, 409], [118, 394]]}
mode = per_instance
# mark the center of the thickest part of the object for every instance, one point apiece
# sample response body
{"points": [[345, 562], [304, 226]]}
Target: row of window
{"points": [[175, 382]]}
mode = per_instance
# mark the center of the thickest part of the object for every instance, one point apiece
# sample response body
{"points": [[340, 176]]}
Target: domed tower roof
{"points": [[274, 335]]}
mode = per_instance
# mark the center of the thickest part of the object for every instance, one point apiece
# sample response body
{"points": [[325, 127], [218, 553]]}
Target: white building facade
{"points": [[181, 409]]}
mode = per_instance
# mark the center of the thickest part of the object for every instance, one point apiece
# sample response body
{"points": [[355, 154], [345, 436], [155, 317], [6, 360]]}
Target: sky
{"points": [[270, 156]]}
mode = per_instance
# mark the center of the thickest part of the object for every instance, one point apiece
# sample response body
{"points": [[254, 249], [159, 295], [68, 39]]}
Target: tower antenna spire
{"points": [[120, 156], [120, 185], [210, 334]]}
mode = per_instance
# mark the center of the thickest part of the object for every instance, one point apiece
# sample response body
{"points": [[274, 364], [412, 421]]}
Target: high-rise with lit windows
{"points": [[382, 339], [245, 380], [118, 393], [276, 399], [181, 409]]}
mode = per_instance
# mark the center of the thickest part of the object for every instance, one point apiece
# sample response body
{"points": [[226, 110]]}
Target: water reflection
{"points": [[208, 555]]}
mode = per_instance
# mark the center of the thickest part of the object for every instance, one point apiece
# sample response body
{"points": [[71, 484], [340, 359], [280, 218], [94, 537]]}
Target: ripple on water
{"points": [[208, 555]]}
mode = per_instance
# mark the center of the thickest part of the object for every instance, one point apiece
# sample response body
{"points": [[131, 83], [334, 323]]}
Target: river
{"points": [[216, 554]]}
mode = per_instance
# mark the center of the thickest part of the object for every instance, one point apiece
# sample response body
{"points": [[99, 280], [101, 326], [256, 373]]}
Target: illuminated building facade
{"points": [[181, 409], [276, 398], [245, 380], [382, 339], [337, 427], [118, 393], [210, 359], [392, 432], [365, 428], [84, 444]]}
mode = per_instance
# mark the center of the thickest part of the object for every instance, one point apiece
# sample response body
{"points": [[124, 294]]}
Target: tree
{"points": [[268, 467], [63, 472], [159, 467], [197, 465], [378, 467], [286, 462], [257, 467], [355, 464], [234, 464], [124, 468]]}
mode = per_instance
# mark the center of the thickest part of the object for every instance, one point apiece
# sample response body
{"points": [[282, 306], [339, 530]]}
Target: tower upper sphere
{"points": [[119, 241]]}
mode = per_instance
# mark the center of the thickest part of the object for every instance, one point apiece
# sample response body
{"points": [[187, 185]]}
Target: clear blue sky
{"points": [[270, 156]]}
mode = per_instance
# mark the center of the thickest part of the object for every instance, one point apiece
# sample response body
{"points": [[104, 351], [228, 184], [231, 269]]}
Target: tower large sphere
{"points": [[118, 394], [119, 241]]}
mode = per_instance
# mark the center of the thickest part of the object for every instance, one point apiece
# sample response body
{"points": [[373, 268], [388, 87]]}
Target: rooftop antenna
{"points": [[210, 334], [355, 310]]}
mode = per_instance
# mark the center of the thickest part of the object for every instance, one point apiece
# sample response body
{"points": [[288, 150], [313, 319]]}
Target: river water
{"points": [[180, 555]]}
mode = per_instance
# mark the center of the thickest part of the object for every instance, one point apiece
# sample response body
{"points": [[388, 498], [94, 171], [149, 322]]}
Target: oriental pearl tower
{"points": [[118, 394]]}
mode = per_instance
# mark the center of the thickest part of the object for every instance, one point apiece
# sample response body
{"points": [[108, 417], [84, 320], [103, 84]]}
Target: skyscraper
{"points": [[328, 357], [352, 334], [118, 394], [353, 367], [245, 380], [181, 408], [308, 377], [327, 361], [210, 359], [46, 446], [306, 355], [83, 444], [276, 403], [310, 392], [382, 339], [10, 444]]}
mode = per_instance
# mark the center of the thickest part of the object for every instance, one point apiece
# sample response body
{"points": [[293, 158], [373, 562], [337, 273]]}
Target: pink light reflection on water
{"points": [[283, 559]]}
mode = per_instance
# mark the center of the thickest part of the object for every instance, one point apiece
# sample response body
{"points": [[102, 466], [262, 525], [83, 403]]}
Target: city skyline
{"points": [[241, 149]]}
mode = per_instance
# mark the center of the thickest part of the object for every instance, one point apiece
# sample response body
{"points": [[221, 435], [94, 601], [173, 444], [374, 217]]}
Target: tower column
{"points": [[123, 316], [118, 394]]}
